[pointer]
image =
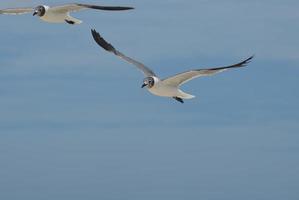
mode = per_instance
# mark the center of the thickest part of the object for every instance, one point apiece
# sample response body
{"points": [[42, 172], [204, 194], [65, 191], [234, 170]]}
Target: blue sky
{"points": [[74, 123]]}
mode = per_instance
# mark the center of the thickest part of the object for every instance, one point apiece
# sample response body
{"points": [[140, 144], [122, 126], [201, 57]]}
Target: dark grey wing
{"points": [[108, 47], [110, 8], [184, 77], [16, 11]]}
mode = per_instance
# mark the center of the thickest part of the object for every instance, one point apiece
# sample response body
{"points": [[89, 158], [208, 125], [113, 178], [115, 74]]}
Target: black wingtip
{"points": [[111, 8], [244, 63], [101, 41], [107, 8], [247, 61], [125, 8], [250, 58]]}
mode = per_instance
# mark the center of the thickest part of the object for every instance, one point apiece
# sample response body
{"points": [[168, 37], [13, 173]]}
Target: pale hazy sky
{"points": [[74, 123]]}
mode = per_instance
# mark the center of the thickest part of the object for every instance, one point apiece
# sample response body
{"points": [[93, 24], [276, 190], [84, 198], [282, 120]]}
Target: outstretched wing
{"points": [[184, 77], [16, 11], [77, 6], [108, 47]]}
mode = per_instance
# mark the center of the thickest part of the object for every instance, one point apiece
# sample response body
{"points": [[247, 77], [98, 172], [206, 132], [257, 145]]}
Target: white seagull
{"points": [[168, 87], [60, 14]]}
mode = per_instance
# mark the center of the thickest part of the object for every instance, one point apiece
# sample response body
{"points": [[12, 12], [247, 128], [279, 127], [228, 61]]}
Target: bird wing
{"points": [[16, 11], [184, 77], [108, 47], [77, 7]]}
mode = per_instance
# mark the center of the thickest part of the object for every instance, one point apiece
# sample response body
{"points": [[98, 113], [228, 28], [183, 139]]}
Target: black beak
{"points": [[143, 85], [35, 13]]}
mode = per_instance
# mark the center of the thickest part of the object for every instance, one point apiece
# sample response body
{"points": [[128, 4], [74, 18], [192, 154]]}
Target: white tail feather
{"points": [[185, 95]]}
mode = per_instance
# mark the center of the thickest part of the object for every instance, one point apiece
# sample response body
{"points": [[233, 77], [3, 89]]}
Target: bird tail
{"points": [[185, 95], [73, 20]]}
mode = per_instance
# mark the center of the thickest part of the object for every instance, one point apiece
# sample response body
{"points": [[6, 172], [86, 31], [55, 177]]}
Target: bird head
{"points": [[149, 82], [40, 11]]}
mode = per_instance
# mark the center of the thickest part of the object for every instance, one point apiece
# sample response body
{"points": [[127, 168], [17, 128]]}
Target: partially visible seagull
{"points": [[60, 14], [168, 87]]}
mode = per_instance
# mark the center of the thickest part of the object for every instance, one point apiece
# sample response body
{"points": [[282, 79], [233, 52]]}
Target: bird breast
{"points": [[164, 90]]}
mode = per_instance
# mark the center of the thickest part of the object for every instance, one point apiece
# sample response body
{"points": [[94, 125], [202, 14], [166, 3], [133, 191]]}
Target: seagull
{"points": [[60, 14], [169, 87]]}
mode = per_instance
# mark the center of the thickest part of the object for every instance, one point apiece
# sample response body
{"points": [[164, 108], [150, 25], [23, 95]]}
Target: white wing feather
{"points": [[67, 8], [16, 11]]}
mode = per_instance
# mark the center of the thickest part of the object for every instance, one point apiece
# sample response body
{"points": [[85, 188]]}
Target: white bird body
{"points": [[52, 16], [60, 14], [58, 18], [169, 87], [163, 89]]}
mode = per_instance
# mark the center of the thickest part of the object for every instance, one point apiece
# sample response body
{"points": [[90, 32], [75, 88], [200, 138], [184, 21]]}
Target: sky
{"points": [[74, 123]]}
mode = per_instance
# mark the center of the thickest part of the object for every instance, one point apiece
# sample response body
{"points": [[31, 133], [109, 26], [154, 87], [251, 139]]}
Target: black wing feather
{"points": [[100, 41], [240, 64], [110, 8]]}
